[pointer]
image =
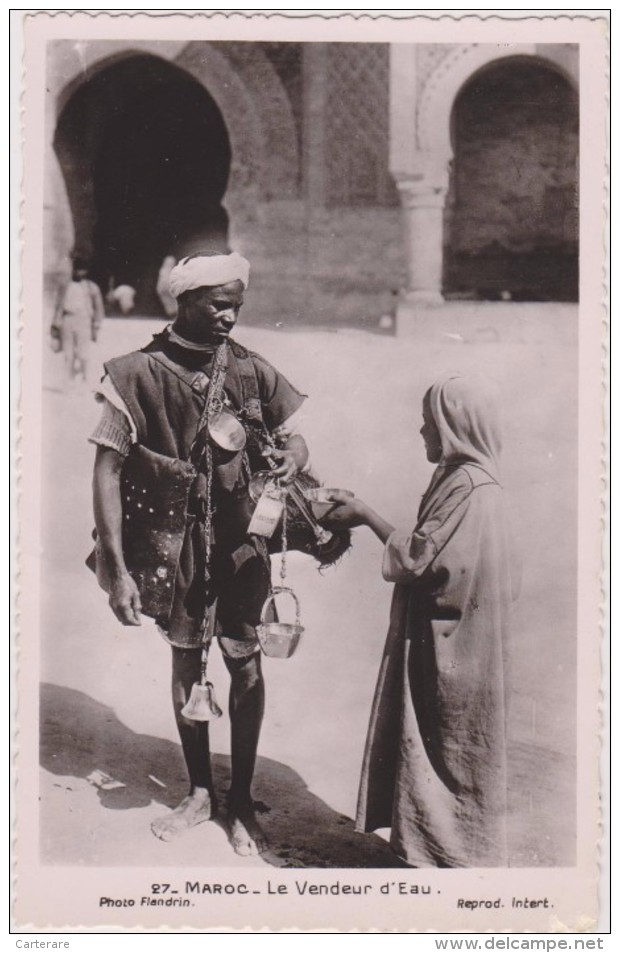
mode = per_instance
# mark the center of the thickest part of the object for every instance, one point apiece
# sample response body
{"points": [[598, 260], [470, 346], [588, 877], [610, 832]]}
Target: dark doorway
{"points": [[146, 156], [511, 224]]}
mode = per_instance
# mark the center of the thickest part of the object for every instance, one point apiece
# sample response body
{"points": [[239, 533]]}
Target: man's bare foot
{"points": [[246, 835], [194, 809]]}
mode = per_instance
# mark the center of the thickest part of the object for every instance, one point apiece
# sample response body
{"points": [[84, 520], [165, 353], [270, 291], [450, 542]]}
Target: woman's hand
{"points": [[348, 511]]}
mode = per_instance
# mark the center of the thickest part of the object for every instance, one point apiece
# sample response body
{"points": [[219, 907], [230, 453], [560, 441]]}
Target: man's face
{"points": [[208, 315]]}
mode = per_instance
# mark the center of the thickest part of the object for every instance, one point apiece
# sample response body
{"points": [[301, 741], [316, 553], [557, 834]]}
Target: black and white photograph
{"points": [[305, 318]]}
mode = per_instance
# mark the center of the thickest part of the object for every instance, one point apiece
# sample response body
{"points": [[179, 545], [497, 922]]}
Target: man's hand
{"points": [[124, 596], [289, 459], [287, 466], [125, 600]]}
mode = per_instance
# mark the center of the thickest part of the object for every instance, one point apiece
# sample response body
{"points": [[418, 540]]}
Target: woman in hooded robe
{"points": [[434, 768]]}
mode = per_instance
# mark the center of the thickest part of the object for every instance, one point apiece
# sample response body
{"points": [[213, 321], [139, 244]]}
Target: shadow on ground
{"points": [[80, 735]]}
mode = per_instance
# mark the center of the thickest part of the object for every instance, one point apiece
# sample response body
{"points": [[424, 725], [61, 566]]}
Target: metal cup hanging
{"points": [[280, 639], [225, 429]]}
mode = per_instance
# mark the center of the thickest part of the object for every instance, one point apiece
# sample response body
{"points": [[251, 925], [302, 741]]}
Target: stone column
{"points": [[421, 176], [422, 203]]}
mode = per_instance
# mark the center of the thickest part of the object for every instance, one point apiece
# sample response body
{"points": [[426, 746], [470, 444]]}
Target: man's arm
{"points": [[281, 403], [124, 595]]}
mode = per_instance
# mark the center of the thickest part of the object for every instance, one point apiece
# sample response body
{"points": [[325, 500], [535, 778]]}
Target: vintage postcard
{"points": [[310, 504]]}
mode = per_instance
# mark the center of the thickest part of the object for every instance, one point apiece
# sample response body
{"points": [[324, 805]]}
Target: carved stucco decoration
{"points": [[443, 85], [358, 123], [429, 56]]}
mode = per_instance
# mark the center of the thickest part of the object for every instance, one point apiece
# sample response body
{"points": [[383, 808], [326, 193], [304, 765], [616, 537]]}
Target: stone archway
{"points": [[511, 224], [262, 129], [145, 156], [421, 149], [245, 88]]}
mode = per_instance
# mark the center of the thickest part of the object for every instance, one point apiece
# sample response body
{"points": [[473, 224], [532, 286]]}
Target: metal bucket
{"points": [[279, 639]]}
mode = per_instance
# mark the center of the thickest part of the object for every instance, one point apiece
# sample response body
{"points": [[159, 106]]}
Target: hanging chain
{"points": [[212, 405], [208, 510], [213, 402], [204, 658], [284, 537]]}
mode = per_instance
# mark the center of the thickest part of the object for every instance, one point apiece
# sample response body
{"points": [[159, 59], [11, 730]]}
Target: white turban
{"points": [[206, 271]]}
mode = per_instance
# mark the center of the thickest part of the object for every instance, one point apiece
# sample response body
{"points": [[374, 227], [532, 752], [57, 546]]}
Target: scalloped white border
{"points": [[357, 25]]}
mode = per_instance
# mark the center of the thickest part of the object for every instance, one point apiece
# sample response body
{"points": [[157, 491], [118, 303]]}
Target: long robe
{"points": [[435, 760]]}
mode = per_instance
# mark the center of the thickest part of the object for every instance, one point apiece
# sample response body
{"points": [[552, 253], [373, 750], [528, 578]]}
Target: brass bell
{"points": [[201, 705]]}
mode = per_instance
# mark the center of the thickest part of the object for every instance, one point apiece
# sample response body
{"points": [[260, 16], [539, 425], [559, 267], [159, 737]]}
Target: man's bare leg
{"points": [[200, 804], [246, 706]]}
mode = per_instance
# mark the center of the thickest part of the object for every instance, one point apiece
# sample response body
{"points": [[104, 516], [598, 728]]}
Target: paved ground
{"points": [[105, 703]]}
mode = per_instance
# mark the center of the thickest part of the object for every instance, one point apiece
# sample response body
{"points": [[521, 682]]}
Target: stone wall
{"points": [[331, 267], [334, 255]]}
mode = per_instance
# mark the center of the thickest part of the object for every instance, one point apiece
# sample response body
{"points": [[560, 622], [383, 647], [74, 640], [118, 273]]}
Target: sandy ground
{"points": [[105, 696]]}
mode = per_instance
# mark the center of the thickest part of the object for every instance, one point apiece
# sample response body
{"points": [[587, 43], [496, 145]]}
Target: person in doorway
{"points": [[160, 400], [168, 301], [78, 317], [123, 298], [434, 767]]}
